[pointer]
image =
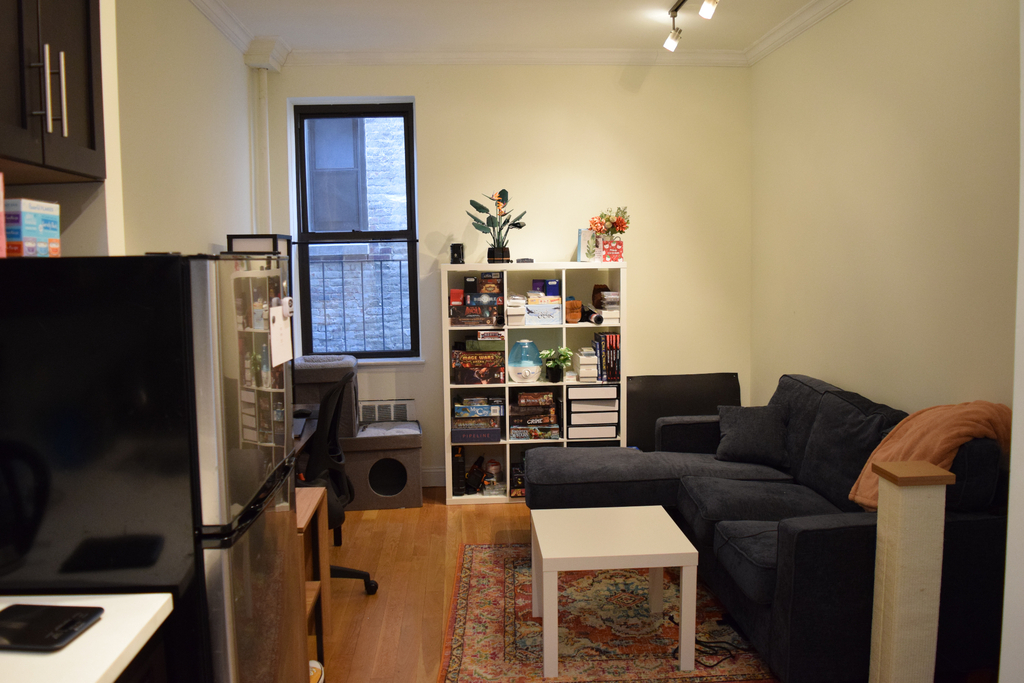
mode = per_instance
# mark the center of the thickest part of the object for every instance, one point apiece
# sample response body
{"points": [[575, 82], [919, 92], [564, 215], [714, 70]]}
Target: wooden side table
{"points": [[311, 516], [570, 539]]}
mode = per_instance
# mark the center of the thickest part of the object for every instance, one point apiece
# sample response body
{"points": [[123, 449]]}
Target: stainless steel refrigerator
{"points": [[145, 434]]}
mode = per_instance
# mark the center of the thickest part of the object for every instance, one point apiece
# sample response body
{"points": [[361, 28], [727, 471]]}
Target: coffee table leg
{"points": [[687, 616], [655, 578], [550, 624], [536, 574]]}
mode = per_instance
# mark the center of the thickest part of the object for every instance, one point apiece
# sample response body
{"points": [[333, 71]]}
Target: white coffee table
{"points": [[579, 539]]}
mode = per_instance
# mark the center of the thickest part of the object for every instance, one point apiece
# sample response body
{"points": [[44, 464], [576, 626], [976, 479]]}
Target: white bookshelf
{"points": [[577, 280]]}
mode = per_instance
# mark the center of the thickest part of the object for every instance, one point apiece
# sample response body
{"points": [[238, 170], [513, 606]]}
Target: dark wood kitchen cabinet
{"points": [[57, 138]]}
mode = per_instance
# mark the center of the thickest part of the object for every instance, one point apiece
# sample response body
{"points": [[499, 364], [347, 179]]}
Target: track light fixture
{"points": [[708, 8], [673, 38], [706, 11]]}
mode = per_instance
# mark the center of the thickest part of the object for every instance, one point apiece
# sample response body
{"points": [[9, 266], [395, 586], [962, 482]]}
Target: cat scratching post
{"points": [[908, 570]]}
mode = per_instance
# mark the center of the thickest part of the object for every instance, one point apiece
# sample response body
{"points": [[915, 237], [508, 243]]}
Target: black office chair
{"points": [[326, 467]]}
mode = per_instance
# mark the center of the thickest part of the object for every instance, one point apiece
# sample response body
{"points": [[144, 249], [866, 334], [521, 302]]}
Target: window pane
{"points": [[359, 297], [355, 170]]}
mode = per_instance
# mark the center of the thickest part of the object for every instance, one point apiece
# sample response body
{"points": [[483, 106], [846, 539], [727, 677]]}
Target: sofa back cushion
{"points": [[977, 470], [755, 435], [846, 430], [799, 396]]}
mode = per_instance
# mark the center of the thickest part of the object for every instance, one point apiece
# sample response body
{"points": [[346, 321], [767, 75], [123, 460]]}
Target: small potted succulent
{"points": [[556, 360]]}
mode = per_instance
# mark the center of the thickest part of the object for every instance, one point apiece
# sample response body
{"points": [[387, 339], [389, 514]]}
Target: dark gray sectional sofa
{"points": [[780, 544]]}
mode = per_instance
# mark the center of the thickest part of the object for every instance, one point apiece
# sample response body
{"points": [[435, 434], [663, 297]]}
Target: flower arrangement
{"points": [[611, 224], [558, 357], [499, 224]]}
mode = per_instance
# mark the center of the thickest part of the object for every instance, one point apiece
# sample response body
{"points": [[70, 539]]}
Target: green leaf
{"points": [[492, 221], [475, 219], [482, 228], [518, 226], [504, 196], [479, 207], [516, 219]]}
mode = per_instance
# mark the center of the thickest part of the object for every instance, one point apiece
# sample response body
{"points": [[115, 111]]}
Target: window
{"points": [[357, 230]]}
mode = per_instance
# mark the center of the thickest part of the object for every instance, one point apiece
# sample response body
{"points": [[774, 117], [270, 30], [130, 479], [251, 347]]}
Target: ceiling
{"points": [[527, 31]]}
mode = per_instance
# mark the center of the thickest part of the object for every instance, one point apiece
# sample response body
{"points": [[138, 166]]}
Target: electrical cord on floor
{"points": [[710, 648]]}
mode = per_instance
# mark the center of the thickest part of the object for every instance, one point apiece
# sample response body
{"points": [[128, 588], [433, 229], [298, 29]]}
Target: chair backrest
{"points": [[314, 376], [326, 463]]}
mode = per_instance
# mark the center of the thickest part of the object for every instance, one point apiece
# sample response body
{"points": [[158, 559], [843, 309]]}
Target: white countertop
{"points": [[102, 652]]}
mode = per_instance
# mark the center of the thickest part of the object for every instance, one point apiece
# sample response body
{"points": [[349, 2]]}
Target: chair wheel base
{"points": [[370, 586]]}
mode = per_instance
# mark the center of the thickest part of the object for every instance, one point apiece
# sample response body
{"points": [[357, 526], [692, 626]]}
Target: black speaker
{"points": [[457, 253], [458, 472]]}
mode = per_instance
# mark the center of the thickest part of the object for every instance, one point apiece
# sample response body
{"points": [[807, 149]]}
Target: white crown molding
{"points": [[792, 27], [267, 52], [600, 57], [226, 22], [812, 13]]}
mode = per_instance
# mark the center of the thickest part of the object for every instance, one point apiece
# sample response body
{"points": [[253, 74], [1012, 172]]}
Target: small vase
{"points": [[498, 255], [554, 374]]}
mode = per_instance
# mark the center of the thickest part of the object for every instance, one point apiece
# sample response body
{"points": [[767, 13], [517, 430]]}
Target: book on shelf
{"points": [[534, 433], [606, 346], [461, 410], [476, 435], [476, 423], [477, 367], [483, 299], [490, 283], [536, 299], [484, 335], [533, 420], [485, 344], [536, 409], [593, 432], [536, 398], [474, 315]]}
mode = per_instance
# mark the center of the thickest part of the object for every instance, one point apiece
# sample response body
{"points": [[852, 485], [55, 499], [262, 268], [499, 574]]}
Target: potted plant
{"points": [[556, 360], [496, 225], [609, 225]]}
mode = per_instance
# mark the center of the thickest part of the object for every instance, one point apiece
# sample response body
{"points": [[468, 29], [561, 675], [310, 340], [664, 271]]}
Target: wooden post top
{"points": [[913, 473]]}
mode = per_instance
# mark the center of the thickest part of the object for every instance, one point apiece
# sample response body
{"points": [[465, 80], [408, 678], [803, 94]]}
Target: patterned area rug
{"points": [[606, 632]]}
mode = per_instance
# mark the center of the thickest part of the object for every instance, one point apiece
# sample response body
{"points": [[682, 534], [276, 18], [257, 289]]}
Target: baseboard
{"points": [[432, 476]]}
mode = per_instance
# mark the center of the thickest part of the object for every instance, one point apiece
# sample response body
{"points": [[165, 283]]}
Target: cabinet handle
{"points": [[46, 88], [63, 96]]}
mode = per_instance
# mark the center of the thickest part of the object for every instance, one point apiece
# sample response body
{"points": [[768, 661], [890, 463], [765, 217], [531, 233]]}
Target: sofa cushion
{"points": [[706, 501], [976, 467], [800, 396], [847, 429], [748, 551], [754, 435], [559, 477]]}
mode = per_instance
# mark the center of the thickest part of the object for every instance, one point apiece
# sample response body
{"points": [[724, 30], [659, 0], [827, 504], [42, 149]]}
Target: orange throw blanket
{"points": [[934, 435]]}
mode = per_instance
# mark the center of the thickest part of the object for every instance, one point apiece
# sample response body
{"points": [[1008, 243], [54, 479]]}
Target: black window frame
{"points": [[306, 237]]}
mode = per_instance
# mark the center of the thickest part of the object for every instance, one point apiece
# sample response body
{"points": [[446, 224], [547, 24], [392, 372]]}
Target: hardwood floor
{"points": [[396, 635]]}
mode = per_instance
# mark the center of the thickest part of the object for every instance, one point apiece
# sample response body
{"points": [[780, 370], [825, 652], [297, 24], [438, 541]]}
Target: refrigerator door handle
{"points": [[226, 536]]}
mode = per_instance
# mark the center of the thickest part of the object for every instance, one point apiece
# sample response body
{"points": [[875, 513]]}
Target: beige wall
{"points": [[885, 203], [183, 92], [672, 144], [1011, 661]]}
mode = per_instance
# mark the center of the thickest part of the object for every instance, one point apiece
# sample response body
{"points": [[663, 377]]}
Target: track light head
{"points": [[673, 39], [708, 8]]}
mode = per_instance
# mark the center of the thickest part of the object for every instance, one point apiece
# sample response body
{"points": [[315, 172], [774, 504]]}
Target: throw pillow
{"points": [[754, 435]]}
